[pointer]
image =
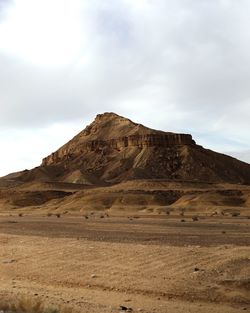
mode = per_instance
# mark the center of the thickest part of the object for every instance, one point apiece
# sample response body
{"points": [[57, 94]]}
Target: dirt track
{"points": [[149, 264]]}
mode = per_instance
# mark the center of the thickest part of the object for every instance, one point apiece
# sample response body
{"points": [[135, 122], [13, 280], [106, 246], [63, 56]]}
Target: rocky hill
{"points": [[113, 149], [115, 164]]}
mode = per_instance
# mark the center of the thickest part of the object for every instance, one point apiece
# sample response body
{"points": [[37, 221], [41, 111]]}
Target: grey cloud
{"points": [[4, 4], [182, 64], [243, 155]]}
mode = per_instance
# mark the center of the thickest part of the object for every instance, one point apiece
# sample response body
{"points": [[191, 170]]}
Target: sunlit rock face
{"points": [[143, 141], [110, 131]]}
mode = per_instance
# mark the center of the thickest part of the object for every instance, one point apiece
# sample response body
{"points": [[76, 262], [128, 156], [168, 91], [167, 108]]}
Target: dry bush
{"points": [[28, 305], [235, 214], [23, 305], [195, 218]]}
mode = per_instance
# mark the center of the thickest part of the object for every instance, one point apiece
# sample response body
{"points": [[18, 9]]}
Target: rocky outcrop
{"points": [[113, 149], [149, 140]]}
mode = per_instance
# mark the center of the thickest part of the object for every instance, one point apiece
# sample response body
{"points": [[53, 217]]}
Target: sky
{"points": [[180, 66]]}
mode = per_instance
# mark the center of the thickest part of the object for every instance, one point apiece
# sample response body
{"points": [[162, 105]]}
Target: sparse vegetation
{"points": [[28, 305], [235, 214]]}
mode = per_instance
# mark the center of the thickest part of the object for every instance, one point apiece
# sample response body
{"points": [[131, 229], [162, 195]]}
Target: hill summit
{"points": [[113, 149]]}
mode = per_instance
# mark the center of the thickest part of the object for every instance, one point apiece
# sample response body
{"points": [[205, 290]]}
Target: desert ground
{"points": [[161, 263]]}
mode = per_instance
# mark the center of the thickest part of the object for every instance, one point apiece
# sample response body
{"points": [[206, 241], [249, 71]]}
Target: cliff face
{"points": [[143, 141], [114, 149]]}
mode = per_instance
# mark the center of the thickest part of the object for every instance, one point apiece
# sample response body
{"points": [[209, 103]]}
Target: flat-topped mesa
{"points": [[140, 141]]}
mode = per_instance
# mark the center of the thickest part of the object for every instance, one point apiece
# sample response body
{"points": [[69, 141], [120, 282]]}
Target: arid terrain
{"points": [[153, 264], [126, 218]]}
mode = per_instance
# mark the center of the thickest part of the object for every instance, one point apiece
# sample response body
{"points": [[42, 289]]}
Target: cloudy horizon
{"points": [[180, 66]]}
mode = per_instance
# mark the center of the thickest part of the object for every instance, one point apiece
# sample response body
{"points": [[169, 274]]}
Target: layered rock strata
{"points": [[149, 140]]}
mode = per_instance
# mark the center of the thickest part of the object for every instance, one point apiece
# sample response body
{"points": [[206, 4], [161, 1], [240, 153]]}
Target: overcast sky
{"points": [[181, 66]]}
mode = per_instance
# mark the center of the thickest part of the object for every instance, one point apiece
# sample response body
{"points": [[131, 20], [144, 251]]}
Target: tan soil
{"points": [[147, 264]]}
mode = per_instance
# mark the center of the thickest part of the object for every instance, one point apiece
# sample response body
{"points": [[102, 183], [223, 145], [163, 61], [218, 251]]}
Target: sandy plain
{"points": [[149, 264]]}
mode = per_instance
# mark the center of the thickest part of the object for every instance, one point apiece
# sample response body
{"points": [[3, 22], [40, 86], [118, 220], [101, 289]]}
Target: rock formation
{"points": [[113, 149], [143, 141], [116, 164]]}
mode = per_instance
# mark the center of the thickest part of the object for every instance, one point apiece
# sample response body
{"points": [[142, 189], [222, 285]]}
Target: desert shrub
{"points": [[235, 214], [195, 218], [20, 214], [23, 305], [49, 214], [29, 305], [136, 216], [52, 310], [58, 215]]}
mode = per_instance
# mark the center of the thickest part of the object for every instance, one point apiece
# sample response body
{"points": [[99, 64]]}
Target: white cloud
{"points": [[45, 33], [24, 149], [179, 65]]}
